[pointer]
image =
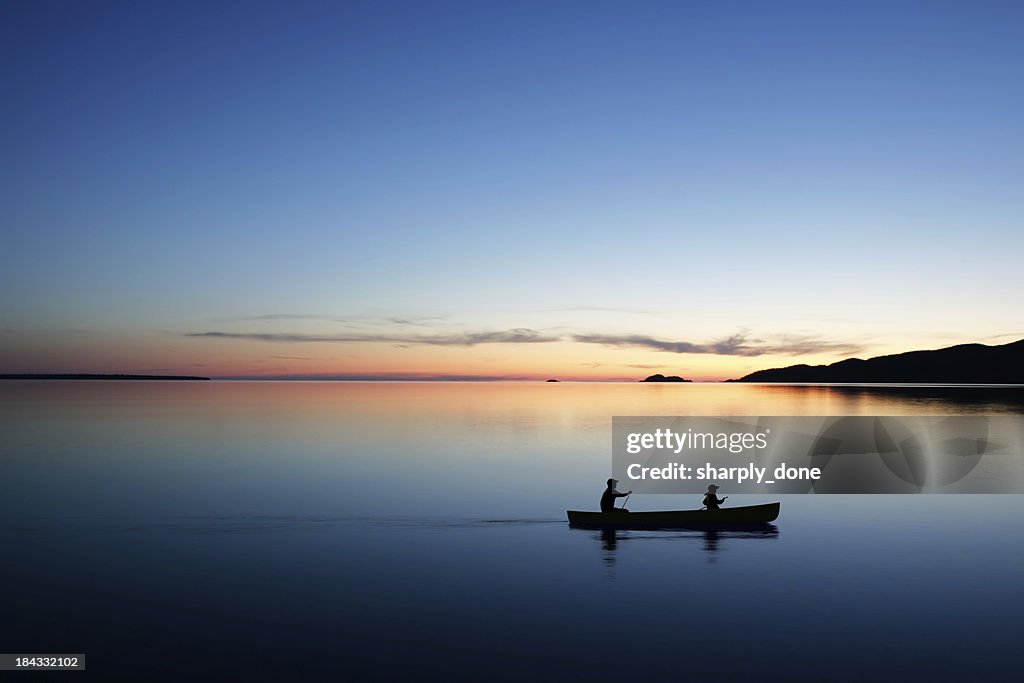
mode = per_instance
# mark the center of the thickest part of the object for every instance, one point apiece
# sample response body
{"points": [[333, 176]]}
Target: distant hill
{"points": [[86, 376], [663, 378], [963, 364]]}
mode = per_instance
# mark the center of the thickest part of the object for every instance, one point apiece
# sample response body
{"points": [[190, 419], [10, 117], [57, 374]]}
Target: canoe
{"points": [[676, 519]]}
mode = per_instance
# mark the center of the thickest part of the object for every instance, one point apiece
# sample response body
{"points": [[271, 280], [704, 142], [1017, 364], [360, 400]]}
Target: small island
{"points": [[552, 380], [663, 378]]}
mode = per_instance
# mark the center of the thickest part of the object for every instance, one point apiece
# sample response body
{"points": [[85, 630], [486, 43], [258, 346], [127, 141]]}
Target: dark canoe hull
{"points": [[676, 519]]}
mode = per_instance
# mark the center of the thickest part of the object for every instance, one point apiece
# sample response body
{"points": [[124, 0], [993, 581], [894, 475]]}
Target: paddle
{"points": [[626, 498]]}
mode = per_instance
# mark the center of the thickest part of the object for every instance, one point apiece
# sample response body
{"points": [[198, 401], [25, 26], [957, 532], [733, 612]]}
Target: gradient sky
{"points": [[494, 189]]}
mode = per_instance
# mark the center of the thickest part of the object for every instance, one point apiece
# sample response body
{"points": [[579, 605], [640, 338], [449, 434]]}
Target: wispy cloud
{"points": [[422, 321], [279, 316], [735, 345], [740, 344], [1010, 335], [805, 346], [514, 336], [61, 331], [593, 309]]}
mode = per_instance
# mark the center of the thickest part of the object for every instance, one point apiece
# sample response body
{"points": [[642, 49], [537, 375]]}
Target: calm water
{"points": [[382, 531]]}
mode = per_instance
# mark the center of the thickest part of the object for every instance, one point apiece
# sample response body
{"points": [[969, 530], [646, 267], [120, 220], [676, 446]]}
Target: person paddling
{"points": [[712, 501], [609, 496]]}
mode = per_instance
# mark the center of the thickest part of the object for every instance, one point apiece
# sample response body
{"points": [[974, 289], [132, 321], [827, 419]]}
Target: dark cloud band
{"points": [[515, 336], [736, 345]]}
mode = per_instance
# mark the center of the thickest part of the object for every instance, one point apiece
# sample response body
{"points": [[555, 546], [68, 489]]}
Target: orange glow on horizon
{"points": [[155, 353]]}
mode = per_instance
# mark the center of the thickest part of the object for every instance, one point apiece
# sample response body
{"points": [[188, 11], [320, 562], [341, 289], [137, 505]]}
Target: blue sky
{"points": [[686, 172]]}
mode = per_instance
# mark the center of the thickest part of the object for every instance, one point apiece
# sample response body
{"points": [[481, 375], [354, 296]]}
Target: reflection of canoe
{"points": [[676, 519]]}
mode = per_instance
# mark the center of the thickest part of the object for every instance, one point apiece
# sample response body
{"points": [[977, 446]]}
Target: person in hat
{"points": [[711, 500], [609, 496]]}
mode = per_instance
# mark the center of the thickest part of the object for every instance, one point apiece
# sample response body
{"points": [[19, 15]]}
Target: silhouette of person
{"points": [[609, 496], [711, 500]]}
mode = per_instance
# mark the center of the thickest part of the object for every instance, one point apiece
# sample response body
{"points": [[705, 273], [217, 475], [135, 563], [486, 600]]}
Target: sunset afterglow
{"points": [[725, 192]]}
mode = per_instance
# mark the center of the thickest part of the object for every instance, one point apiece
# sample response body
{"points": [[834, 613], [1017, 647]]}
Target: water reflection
{"points": [[712, 538], [609, 542], [957, 399], [251, 524]]}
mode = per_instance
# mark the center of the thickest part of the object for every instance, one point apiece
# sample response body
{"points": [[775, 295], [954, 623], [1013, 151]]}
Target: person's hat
{"points": [[612, 482], [713, 487]]}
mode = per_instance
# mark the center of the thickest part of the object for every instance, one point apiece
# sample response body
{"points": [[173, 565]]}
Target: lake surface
{"points": [[390, 531]]}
